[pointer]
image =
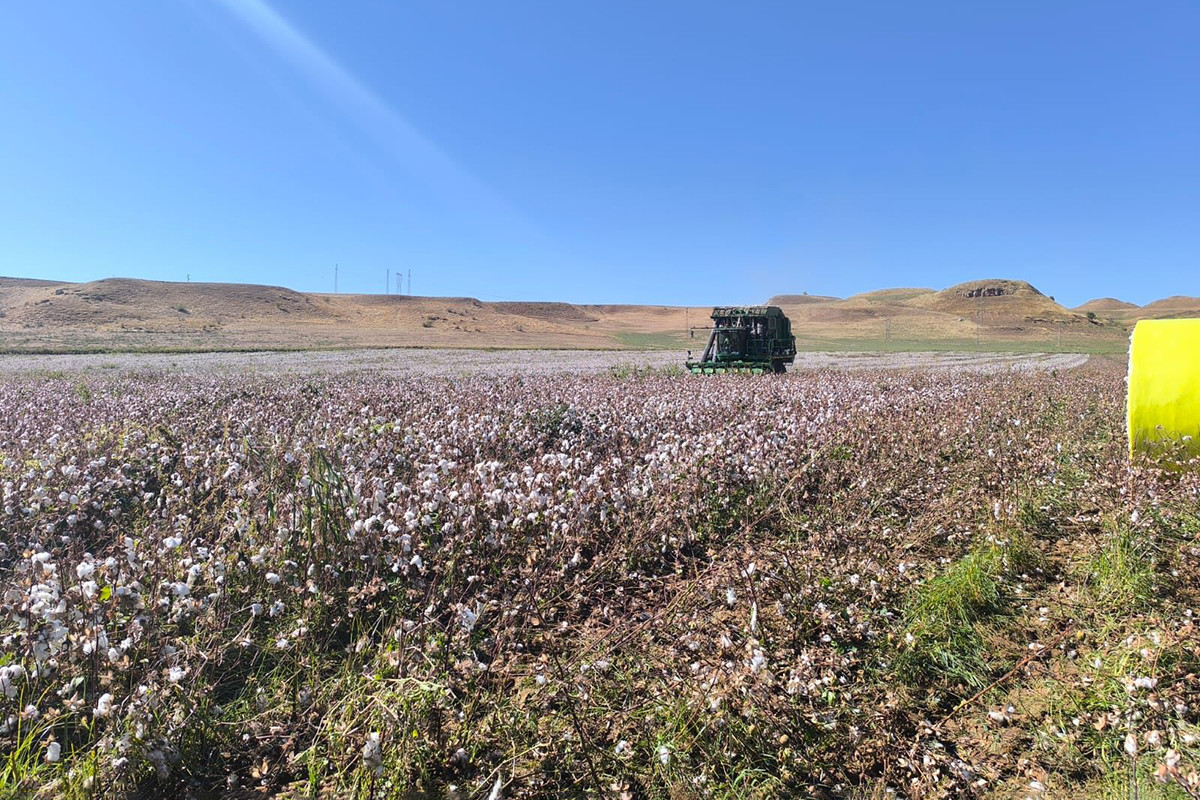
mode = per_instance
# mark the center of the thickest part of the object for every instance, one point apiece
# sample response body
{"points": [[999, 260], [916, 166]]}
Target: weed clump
{"points": [[1123, 571], [947, 622]]}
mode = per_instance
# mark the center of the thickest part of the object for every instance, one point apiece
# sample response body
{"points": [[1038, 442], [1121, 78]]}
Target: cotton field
{"points": [[842, 583]]}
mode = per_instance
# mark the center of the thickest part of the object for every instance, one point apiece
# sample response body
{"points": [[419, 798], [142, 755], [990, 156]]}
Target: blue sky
{"points": [[661, 152]]}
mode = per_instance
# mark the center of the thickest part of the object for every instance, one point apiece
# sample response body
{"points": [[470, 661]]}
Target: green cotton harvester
{"points": [[754, 339]]}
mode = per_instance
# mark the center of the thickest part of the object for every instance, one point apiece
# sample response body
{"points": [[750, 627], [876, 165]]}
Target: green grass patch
{"points": [[944, 623], [1122, 573], [656, 341]]}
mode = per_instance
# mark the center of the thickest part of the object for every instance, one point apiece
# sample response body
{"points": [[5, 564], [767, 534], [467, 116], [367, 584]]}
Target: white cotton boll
{"points": [[273, 578], [53, 752], [730, 597], [282, 644], [1131, 745], [276, 608], [416, 561], [759, 662], [85, 570], [114, 655], [180, 589], [372, 753], [103, 705], [664, 755], [622, 747], [467, 618], [176, 674], [540, 679], [255, 609]]}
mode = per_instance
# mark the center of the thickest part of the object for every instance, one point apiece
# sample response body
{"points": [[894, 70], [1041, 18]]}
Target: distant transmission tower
{"points": [[335, 269]]}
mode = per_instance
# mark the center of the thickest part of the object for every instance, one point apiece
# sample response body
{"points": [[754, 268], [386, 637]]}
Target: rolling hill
{"points": [[123, 314], [1107, 305], [1120, 311]]}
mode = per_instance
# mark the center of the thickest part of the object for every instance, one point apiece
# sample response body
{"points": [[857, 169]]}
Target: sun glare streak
{"points": [[395, 135]]}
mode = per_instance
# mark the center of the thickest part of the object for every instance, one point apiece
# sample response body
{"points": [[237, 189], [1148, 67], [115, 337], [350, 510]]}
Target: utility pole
{"points": [[410, 283], [335, 269]]}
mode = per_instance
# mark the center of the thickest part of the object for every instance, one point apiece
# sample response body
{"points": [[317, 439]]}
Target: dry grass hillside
{"points": [[1120, 311], [121, 314], [985, 314], [798, 299], [1106, 305]]}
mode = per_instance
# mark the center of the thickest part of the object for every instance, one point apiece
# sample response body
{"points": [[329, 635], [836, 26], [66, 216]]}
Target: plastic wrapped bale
{"points": [[1164, 389]]}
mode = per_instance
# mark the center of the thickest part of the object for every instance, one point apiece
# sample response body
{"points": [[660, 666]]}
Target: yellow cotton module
{"points": [[1164, 387]]}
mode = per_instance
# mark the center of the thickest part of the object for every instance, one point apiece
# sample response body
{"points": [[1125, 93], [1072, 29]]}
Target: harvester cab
{"points": [[754, 339]]}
